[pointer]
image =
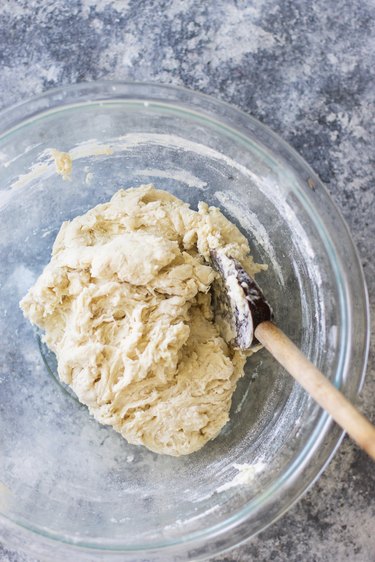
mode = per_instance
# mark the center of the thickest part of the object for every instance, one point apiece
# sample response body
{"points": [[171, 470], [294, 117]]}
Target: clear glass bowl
{"points": [[72, 489]]}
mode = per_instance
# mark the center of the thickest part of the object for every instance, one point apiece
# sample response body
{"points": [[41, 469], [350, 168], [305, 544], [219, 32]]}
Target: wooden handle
{"points": [[317, 385]]}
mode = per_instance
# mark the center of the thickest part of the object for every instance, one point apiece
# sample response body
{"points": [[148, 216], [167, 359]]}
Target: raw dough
{"points": [[125, 306], [63, 163]]}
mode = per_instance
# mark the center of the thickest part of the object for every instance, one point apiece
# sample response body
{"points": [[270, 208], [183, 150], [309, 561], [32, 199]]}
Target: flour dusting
{"points": [[178, 175], [245, 475]]}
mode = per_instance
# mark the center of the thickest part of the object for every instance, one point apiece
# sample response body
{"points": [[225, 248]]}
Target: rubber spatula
{"points": [[245, 319]]}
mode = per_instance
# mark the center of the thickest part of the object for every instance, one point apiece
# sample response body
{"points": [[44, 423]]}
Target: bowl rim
{"points": [[19, 113]]}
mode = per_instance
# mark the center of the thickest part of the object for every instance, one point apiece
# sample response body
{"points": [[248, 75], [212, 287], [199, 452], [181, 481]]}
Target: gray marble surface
{"points": [[304, 68]]}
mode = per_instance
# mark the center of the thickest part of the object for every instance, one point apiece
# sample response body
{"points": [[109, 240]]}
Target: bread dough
{"points": [[125, 305], [63, 163]]}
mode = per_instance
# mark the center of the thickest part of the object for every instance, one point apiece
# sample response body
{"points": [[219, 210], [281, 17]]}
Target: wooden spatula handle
{"points": [[317, 385]]}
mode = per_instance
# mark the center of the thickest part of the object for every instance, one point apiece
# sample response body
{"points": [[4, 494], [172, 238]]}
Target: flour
{"points": [[245, 476]]}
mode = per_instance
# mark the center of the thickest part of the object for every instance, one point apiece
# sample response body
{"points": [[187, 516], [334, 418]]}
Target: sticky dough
{"points": [[125, 306]]}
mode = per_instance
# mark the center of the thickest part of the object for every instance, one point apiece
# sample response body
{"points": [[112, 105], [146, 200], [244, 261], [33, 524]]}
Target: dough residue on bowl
{"points": [[125, 305], [63, 163]]}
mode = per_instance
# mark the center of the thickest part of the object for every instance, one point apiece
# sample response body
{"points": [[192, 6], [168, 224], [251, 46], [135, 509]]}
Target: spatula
{"points": [[245, 319]]}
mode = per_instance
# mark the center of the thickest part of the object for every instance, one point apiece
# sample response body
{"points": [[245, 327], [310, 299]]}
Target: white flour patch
{"points": [[115, 56], [98, 6], [132, 140], [5, 161], [178, 175], [243, 400], [88, 178], [245, 476], [250, 222], [249, 38]]}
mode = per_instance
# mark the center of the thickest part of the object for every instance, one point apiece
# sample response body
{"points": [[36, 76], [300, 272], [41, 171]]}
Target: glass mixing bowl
{"points": [[71, 489]]}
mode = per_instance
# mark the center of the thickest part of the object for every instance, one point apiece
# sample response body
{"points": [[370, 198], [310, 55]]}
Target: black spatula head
{"points": [[238, 302]]}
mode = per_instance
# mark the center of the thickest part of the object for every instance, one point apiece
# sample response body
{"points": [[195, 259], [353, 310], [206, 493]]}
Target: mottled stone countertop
{"points": [[304, 68]]}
